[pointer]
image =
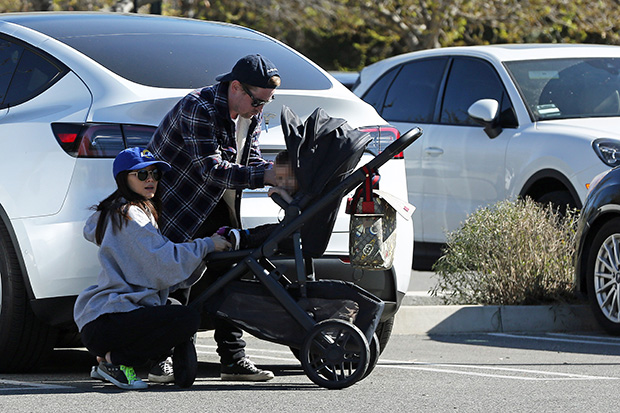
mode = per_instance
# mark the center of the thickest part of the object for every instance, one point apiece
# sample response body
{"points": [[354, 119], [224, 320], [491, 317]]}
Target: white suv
{"points": [[499, 122], [75, 89]]}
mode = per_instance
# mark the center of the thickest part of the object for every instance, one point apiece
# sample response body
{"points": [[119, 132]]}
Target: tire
{"points": [[335, 354], [384, 332], [559, 200], [603, 276], [24, 340]]}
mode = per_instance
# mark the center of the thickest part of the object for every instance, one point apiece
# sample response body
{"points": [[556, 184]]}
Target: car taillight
{"points": [[382, 136], [100, 140]]}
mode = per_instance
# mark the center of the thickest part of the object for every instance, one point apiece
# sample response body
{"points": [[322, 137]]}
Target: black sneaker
{"points": [[121, 376], [185, 363], [244, 370], [162, 372]]}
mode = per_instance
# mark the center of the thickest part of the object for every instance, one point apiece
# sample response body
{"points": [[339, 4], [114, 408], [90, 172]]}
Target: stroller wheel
{"points": [[335, 354], [375, 350]]}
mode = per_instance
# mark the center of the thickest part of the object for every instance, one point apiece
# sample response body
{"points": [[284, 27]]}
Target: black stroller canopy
{"points": [[323, 152], [321, 149]]}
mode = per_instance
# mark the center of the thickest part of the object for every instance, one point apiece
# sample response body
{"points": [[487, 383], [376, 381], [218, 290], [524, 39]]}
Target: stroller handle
{"points": [[395, 147]]}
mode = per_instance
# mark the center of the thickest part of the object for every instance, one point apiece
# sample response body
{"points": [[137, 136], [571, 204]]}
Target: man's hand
{"points": [[270, 177]]}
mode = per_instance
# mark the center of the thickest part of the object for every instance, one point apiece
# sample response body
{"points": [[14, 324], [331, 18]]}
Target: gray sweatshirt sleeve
{"points": [[148, 259]]}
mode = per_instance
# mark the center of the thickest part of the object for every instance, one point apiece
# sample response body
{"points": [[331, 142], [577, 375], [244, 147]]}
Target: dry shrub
{"points": [[511, 253]]}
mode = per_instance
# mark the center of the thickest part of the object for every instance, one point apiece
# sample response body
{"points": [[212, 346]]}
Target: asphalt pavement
{"points": [[420, 313]]}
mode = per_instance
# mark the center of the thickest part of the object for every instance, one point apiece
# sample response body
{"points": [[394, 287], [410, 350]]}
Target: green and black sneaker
{"points": [[121, 376]]}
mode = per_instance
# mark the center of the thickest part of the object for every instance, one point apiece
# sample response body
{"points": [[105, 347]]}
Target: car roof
{"points": [[61, 25], [514, 52], [180, 49], [494, 53]]}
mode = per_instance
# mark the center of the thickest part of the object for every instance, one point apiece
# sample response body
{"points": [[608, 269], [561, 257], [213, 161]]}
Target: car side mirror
{"points": [[485, 112]]}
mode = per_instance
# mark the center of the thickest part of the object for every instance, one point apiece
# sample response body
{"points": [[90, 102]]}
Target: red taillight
{"points": [[382, 136], [67, 137], [100, 140]]}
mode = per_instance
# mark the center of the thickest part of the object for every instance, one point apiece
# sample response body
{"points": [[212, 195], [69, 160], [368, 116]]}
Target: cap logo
{"points": [[146, 154]]}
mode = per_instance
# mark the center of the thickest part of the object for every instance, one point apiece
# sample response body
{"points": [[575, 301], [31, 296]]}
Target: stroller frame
{"points": [[334, 353]]}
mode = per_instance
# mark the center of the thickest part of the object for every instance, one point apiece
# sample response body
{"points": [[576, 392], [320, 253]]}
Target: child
{"points": [[286, 186], [126, 319]]}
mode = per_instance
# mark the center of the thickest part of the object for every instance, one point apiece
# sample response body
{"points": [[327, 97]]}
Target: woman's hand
{"points": [[221, 243]]}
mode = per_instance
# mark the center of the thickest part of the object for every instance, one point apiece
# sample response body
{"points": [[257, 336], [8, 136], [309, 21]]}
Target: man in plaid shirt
{"points": [[210, 138]]}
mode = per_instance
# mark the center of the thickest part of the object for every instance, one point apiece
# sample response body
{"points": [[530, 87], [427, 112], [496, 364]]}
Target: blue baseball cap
{"points": [[253, 70], [136, 158]]}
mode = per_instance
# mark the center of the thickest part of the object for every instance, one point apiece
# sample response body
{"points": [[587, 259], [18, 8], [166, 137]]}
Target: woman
{"points": [[126, 318]]}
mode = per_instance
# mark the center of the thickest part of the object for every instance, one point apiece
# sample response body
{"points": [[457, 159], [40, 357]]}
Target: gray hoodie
{"points": [[139, 267]]}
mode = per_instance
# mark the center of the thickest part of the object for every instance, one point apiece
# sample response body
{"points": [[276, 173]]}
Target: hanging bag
{"points": [[372, 228]]}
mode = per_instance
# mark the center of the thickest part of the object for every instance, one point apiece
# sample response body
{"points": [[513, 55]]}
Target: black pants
{"points": [[141, 335], [230, 345]]}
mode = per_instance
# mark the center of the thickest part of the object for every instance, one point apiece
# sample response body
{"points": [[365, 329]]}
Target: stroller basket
{"points": [[251, 306]]}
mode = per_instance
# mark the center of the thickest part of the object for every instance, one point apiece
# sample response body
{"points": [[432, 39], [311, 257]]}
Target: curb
{"points": [[456, 319]]}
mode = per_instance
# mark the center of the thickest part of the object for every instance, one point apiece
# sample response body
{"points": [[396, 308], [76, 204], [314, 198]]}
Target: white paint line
{"points": [[471, 373], [525, 374], [565, 340], [23, 385], [503, 369]]}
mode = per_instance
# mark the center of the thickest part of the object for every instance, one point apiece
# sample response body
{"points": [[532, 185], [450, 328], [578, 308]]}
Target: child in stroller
{"points": [[286, 188]]}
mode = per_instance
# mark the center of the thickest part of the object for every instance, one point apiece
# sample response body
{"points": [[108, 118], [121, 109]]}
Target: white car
{"points": [[499, 122], [77, 88]]}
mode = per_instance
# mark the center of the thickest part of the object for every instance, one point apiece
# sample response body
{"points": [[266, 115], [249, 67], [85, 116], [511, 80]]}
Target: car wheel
{"points": [[384, 331], [603, 276], [24, 341], [559, 200]]}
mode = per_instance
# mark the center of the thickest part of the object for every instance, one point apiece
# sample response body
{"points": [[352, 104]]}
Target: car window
{"points": [[33, 75], [568, 88], [375, 96], [471, 80], [10, 54], [413, 93]]}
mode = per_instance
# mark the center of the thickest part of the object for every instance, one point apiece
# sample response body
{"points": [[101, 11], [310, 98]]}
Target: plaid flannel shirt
{"points": [[197, 138]]}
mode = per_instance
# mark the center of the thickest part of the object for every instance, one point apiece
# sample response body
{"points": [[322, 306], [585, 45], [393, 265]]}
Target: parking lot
{"points": [[467, 372]]}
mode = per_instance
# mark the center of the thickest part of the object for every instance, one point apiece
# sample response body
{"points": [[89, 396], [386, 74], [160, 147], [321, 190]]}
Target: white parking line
{"points": [[452, 368], [569, 339], [461, 369], [23, 385]]}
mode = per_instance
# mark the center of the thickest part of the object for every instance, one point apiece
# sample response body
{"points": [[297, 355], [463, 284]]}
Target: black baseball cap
{"points": [[253, 70]]}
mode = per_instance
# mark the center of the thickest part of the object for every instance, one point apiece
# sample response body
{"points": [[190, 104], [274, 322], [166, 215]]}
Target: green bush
{"points": [[511, 253]]}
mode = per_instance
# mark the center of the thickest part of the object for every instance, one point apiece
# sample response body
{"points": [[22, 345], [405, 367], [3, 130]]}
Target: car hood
{"points": [[588, 128]]}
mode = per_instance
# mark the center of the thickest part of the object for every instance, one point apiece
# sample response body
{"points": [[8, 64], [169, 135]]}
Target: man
{"points": [[210, 138]]}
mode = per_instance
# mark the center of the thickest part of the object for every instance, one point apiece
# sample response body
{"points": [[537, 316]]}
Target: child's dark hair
{"points": [[117, 206], [282, 158]]}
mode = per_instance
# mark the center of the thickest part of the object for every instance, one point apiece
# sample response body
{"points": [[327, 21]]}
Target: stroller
{"points": [[328, 324]]}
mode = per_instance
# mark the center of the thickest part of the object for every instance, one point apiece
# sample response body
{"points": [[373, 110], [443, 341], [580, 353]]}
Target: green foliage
{"points": [[511, 253], [351, 34]]}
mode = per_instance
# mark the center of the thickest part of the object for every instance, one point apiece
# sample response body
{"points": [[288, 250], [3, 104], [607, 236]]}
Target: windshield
{"points": [[568, 88]]}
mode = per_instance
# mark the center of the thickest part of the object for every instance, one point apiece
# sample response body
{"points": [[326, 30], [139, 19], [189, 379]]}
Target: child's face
{"points": [[285, 178]]}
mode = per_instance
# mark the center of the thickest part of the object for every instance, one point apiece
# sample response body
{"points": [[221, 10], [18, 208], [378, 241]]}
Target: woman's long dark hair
{"points": [[116, 206]]}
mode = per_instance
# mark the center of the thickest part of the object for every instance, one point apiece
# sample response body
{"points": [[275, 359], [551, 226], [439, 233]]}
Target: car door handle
{"points": [[432, 151]]}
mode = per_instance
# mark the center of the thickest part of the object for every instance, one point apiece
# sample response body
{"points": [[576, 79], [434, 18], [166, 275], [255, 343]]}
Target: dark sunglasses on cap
{"points": [[143, 174], [255, 102]]}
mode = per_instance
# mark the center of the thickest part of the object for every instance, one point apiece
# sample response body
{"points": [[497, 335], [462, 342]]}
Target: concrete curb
{"points": [[455, 319]]}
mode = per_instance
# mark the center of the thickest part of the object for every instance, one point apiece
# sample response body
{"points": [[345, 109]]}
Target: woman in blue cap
{"points": [[125, 319]]}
